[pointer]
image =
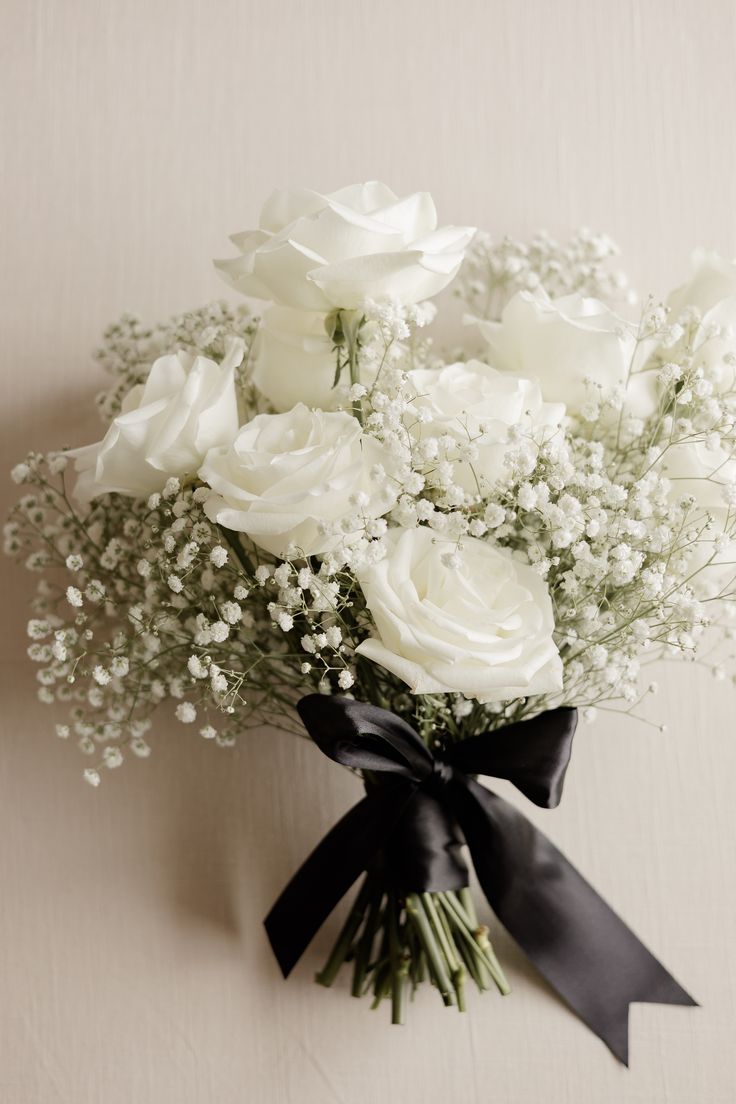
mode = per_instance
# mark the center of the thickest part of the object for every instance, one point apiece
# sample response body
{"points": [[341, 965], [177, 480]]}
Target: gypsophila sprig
{"points": [[494, 271]]}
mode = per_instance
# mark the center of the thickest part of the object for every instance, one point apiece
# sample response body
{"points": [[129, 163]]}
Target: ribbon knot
{"points": [[411, 817]]}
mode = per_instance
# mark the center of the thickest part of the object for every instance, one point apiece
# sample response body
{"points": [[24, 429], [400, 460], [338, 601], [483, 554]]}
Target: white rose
{"points": [[561, 342], [325, 252], [286, 475], [472, 402], [484, 629], [295, 360], [168, 424], [706, 474], [712, 290]]}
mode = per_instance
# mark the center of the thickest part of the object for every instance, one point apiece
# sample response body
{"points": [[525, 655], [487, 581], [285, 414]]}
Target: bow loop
{"points": [[364, 737], [534, 754]]}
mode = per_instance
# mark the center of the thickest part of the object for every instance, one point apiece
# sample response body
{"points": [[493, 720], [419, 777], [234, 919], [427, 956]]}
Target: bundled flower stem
{"points": [[396, 941]]}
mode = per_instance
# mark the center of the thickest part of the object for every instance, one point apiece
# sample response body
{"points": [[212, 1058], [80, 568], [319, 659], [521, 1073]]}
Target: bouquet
{"points": [[310, 518]]}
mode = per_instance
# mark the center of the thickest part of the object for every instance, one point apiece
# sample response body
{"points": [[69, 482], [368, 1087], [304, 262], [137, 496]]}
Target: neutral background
{"points": [[135, 137]]}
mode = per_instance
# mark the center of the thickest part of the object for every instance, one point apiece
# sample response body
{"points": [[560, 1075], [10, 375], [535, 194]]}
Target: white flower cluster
{"points": [[462, 542], [494, 271]]}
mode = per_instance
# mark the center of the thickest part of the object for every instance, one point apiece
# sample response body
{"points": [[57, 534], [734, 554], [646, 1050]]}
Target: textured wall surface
{"points": [[136, 135]]}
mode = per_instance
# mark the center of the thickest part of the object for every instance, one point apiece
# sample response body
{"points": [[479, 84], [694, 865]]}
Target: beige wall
{"points": [[136, 135]]}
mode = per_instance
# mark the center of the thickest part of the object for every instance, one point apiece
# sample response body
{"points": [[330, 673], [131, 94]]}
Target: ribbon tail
{"points": [[326, 876], [576, 941]]}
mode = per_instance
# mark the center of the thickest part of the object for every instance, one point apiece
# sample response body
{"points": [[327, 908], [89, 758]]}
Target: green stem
{"points": [[417, 958], [466, 945], [473, 964], [476, 939], [350, 323], [465, 897], [344, 941], [399, 962], [418, 916], [382, 974], [457, 970], [434, 919], [364, 947], [481, 935], [465, 900], [434, 935]]}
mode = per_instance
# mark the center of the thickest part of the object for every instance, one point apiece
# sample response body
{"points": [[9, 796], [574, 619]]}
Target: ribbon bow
{"points": [[575, 940]]}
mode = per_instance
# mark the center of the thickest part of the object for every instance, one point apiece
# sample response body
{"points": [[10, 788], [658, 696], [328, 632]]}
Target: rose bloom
{"points": [[286, 474], [712, 290], [561, 342], [472, 402], [187, 406], [483, 629], [324, 252], [706, 474]]}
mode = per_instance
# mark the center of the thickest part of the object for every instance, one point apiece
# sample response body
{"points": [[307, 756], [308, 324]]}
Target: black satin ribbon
{"points": [[582, 948]]}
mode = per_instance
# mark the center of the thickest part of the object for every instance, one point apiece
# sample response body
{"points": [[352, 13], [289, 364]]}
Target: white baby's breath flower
{"points": [[95, 591], [218, 556], [219, 683], [38, 628], [231, 612], [197, 669], [494, 515], [219, 631], [20, 473], [112, 757]]}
